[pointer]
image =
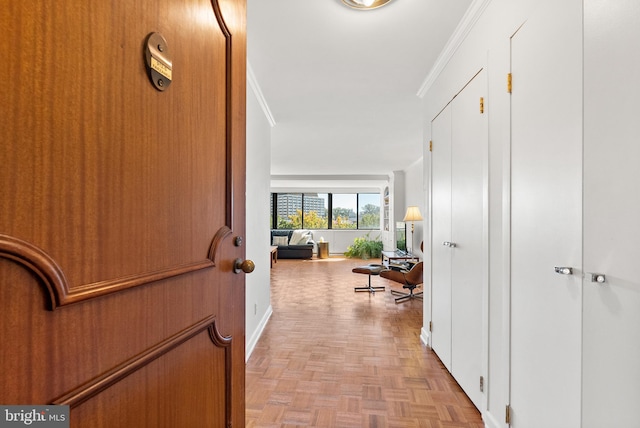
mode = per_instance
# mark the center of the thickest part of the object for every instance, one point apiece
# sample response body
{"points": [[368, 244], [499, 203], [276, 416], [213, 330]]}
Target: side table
{"points": [[390, 256], [323, 250]]}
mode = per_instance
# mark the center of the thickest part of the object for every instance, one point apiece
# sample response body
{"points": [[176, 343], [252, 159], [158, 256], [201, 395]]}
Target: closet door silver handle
{"points": [[599, 278], [564, 270], [452, 244], [449, 244]]}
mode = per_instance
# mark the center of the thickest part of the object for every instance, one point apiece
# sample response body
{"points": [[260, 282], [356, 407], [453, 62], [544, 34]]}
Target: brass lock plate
{"points": [[158, 60]]}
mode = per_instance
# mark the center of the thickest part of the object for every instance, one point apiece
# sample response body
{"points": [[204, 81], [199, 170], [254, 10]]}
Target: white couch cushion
{"points": [[299, 237]]}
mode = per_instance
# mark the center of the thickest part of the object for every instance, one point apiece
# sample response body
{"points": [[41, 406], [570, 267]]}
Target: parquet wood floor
{"points": [[332, 357]]}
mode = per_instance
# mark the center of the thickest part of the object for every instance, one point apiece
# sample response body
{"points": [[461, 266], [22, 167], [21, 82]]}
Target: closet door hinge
{"points": [[507, 416], [481, 383], [509, 85], [481, 105], [430, 146], [430, 325]]}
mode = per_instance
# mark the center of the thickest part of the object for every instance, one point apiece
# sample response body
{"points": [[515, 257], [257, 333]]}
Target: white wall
{"points": [[258, 283], [339, 240]]}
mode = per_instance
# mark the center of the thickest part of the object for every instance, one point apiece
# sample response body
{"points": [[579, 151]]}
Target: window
{"points": [[401, 236], [343, 213], [368, 211], [325, 211], [288, 210], [316, 209]]}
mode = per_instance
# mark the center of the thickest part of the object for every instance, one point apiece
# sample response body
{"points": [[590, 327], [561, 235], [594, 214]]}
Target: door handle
{"points": [[246, 266], [449, 244], [599, 278], [564, 270]]}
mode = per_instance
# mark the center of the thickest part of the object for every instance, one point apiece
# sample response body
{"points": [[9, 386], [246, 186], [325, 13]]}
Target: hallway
{"points": [[330, 357]]}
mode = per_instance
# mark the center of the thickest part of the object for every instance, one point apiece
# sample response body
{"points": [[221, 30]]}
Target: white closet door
{"points": [[611, 334], [441, 232], [468, 154], [546, 226]]}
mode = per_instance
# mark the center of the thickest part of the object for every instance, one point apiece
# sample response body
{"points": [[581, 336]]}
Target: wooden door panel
{"points": [[119, 210], [61, 356], [191, 366], [124, 181]]}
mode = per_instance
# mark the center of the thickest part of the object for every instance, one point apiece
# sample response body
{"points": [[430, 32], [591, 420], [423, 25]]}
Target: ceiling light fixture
{"points": [[365, 4]]}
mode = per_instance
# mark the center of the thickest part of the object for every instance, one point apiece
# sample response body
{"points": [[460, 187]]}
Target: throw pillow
{"points": [[300, 237], [280, 240]]}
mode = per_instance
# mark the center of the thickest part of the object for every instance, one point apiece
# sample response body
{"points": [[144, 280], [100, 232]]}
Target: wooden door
{"points": [[546, 219], [122, 212], [611, 326], [441, 233]]}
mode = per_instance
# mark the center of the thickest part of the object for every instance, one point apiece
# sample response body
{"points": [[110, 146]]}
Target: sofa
{"points": [[293, 244]]}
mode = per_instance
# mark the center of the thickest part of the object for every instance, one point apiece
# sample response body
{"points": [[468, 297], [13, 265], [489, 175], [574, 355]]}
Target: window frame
{"points": [[274, 210]]}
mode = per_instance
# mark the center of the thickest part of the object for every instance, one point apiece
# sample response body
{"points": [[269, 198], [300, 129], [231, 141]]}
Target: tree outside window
{"points": [[316, 211], [343, 214], [368, 211]]}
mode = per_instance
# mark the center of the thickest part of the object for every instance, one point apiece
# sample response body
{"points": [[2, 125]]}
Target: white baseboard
{"points": [[490, 421], [253, 340], [424, 336]]}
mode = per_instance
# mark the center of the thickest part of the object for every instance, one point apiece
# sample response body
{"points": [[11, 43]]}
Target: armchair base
{"points": [[410, 295]]}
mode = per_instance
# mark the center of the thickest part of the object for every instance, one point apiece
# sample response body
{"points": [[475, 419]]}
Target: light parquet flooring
{"points": [[332, 357]]}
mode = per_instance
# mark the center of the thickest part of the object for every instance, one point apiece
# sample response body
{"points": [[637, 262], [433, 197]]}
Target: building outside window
{"points": [[289, 210], [316, 208]]}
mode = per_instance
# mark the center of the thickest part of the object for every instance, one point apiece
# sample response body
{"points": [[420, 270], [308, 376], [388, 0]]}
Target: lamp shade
{"points": [[413, 214]]}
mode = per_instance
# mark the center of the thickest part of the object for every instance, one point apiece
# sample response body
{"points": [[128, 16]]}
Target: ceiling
{"points": [[341, 84]]}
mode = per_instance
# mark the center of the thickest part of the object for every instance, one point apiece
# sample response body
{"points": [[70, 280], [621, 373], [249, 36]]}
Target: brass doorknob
{"points": [[246, 266]]}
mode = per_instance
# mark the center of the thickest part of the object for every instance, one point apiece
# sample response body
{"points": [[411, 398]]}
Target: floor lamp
{"points": [[412, 215]]}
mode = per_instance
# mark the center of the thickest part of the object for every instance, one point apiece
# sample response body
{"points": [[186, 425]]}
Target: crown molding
{"points": [[253, 83], [467, 22]]}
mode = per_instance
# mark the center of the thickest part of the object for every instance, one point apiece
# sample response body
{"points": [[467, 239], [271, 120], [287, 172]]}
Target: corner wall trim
{"points": [[253, 83]]}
